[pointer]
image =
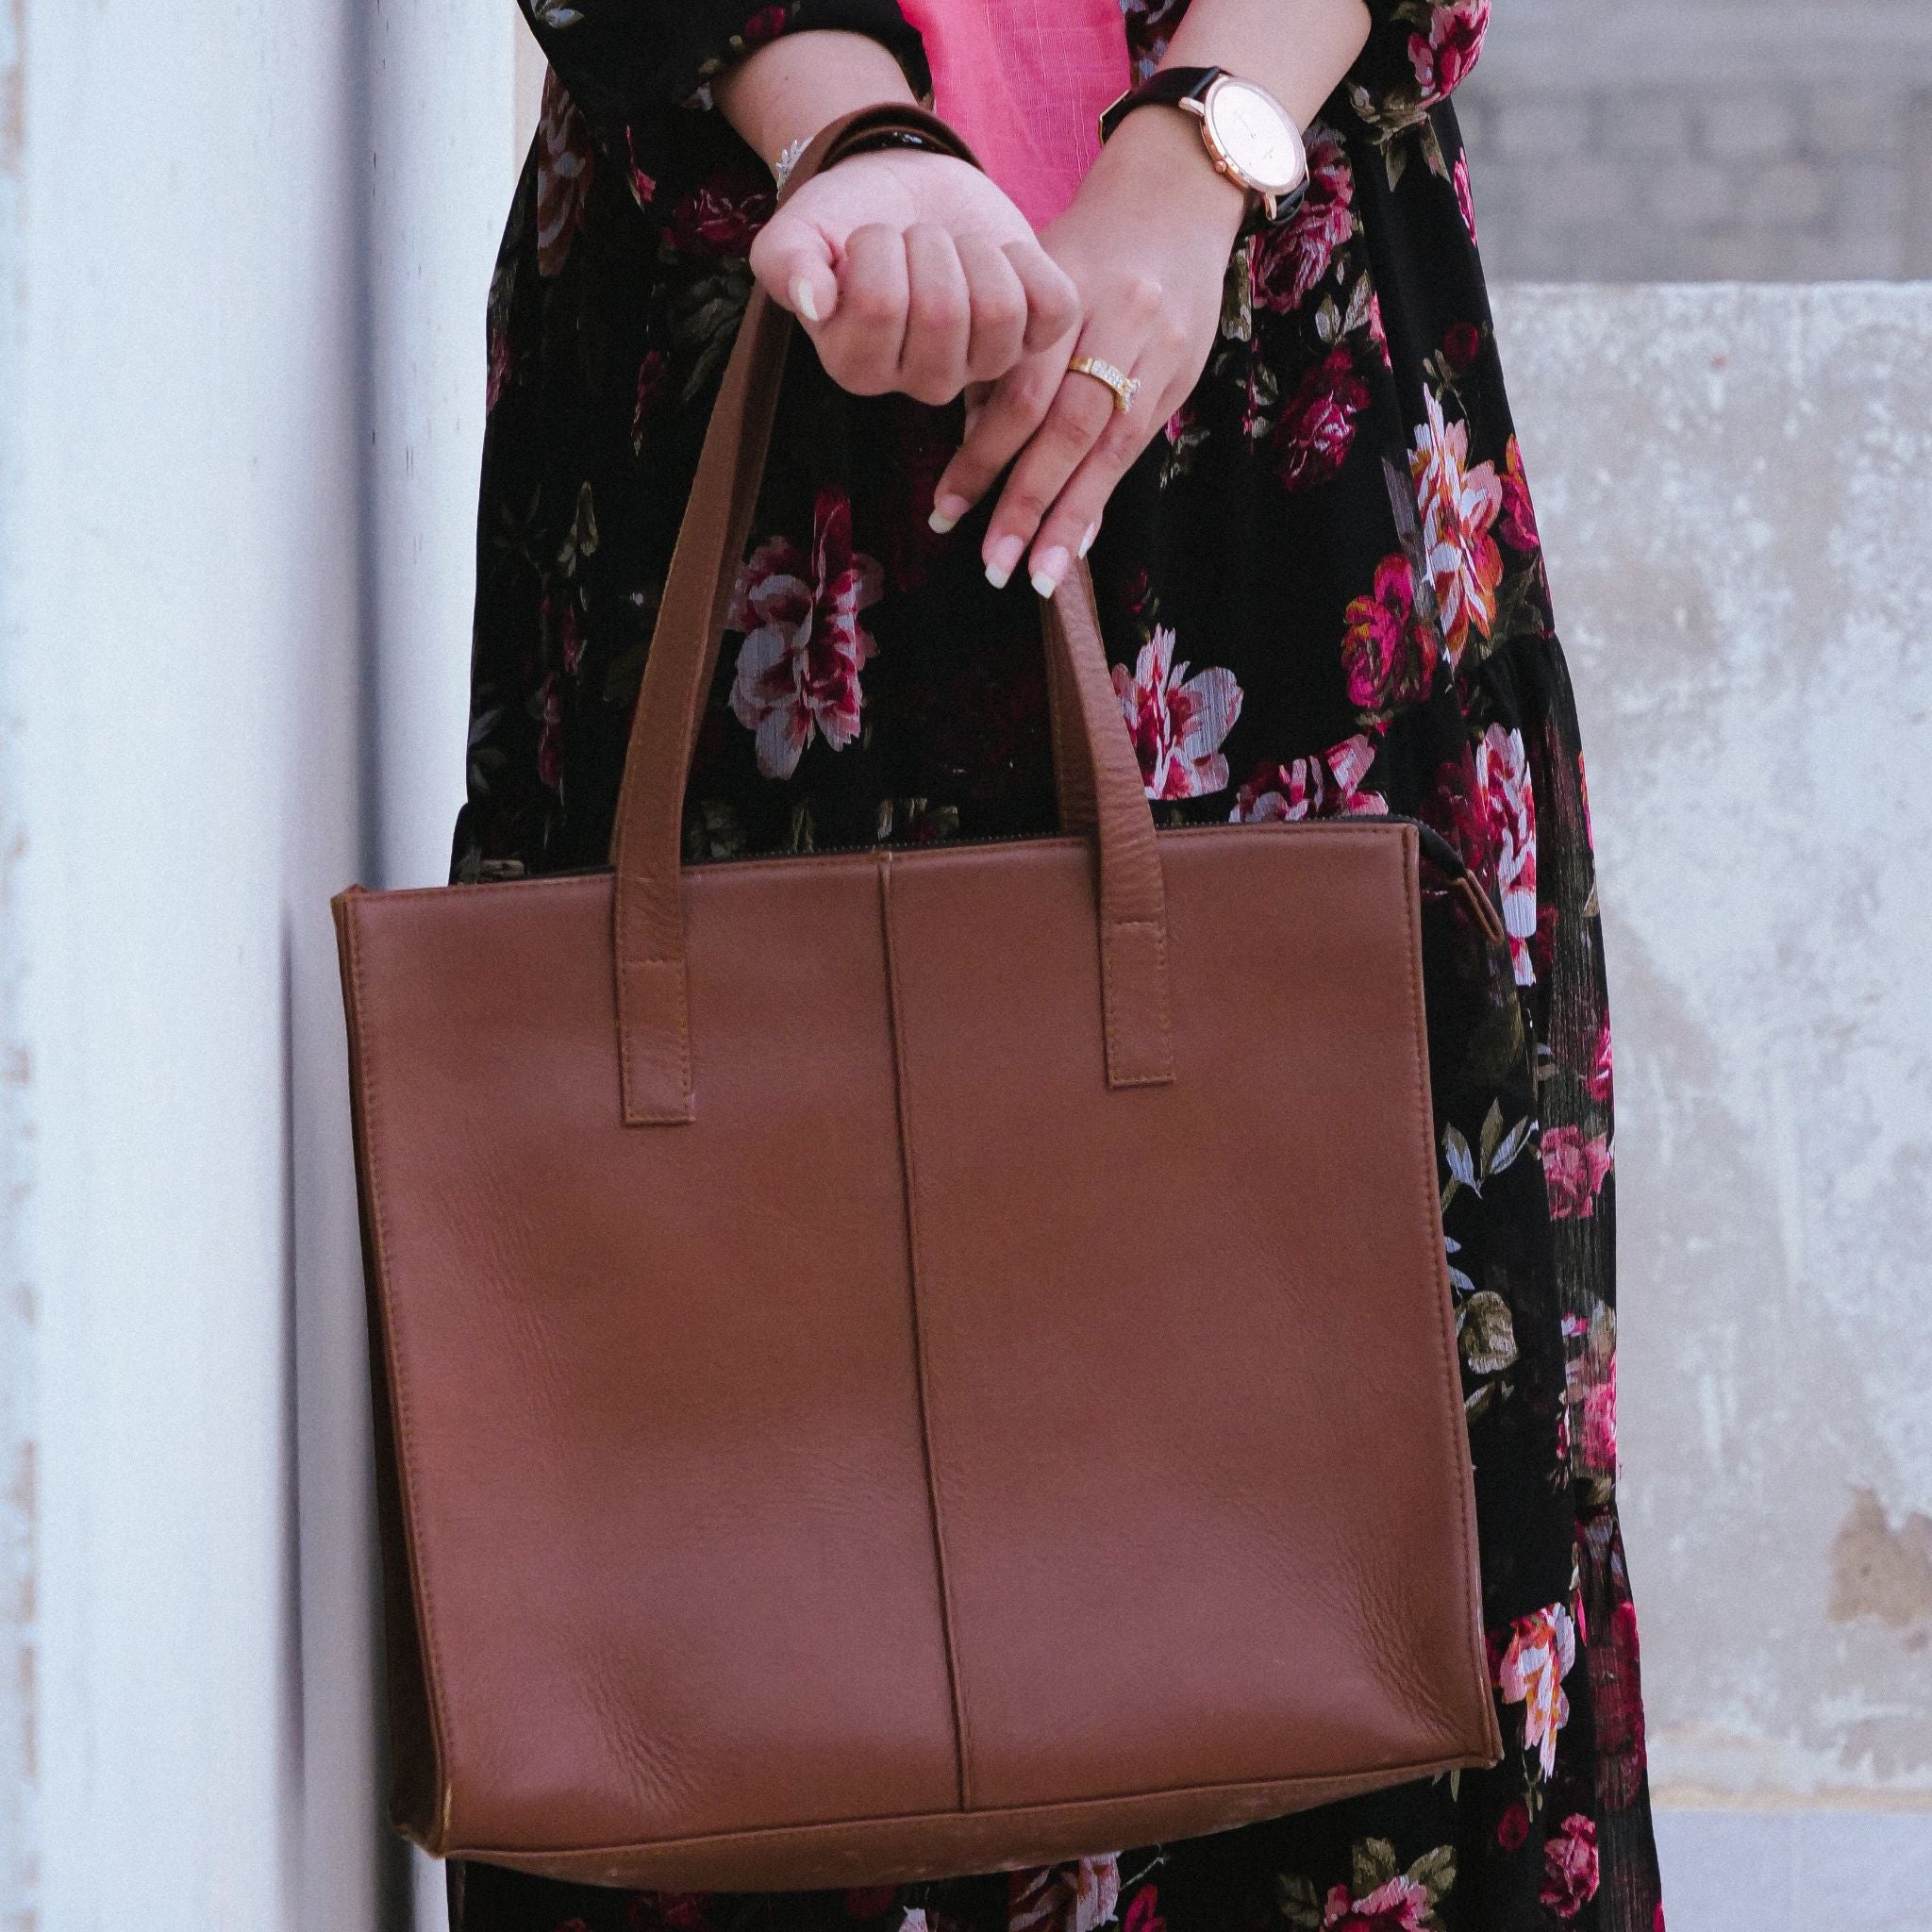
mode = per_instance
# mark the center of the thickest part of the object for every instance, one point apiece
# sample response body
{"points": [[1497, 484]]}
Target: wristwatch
{"points": [[1249, 135]]}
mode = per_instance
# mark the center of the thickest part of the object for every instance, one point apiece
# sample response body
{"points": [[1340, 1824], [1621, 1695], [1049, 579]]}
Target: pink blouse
{"points": [[1024, 81]]}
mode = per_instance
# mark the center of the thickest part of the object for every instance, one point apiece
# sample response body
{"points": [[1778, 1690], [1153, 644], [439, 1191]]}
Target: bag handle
{"points": [[1091, 742]]}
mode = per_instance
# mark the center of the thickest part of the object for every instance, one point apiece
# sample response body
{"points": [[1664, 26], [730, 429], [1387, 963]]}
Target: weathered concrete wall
{"points": [[1732, 484], [1666, 139]]}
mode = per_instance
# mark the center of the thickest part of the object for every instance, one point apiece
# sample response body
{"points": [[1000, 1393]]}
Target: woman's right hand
{"points": [[911, 271]]}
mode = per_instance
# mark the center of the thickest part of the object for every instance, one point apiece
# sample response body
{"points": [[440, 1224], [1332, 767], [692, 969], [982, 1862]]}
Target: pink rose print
{"points": [[1593, 1392], [1464, 200], [1454, 45], [1387, 652], [1502, 788], [1400, 1906], [1570, 1866], [1075, 1897], [1377, 333], [798, 667], [1518, 513], [1601, 1074], [1600, 1423], [550, 735], [1513, 1828], [1328, 787], [643, 188], [654, 384], [502, 360], [1540, 1652], [1288, 262], [1178, 726], [1144, 1913], [569, 634], [1574, 1171], [1462, 342], [1616, 1695], [678, 1911], [1458, 505], [765, 25], [713, 221], [566, 166], [1456, 810], [1317, 428]]}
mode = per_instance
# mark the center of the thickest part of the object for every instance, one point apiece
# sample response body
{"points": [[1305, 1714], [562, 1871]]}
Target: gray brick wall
{"points": [[1614, 142]]}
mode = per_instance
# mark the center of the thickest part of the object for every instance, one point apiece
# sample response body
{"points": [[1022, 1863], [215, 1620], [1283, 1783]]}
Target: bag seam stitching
{"points": [[909, 1179], [399, 1402], [1363, 826], [1385, 1776], [1158, 1076], [1439, 1261]]}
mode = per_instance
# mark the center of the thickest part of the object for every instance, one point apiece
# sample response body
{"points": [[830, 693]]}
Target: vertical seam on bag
{"points": [[909, 1177], [1439, 1260], [399, 1405]]}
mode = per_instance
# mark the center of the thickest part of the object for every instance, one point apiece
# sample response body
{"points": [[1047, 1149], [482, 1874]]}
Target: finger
{"points": [[1070, 525], [793, 262], [939, 316], [861, 345], [998, 301], [1011, 410], [1079, 416], [1053, 303]]}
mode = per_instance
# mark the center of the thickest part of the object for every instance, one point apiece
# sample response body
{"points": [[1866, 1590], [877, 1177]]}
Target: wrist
{"points": [[779, 95], [1157, 162]]}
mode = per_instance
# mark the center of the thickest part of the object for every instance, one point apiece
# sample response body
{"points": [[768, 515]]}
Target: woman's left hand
{"points": [[1146, 242]]}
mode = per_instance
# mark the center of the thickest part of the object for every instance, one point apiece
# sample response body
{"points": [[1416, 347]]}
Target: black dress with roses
{"points": [[1323, 593]]}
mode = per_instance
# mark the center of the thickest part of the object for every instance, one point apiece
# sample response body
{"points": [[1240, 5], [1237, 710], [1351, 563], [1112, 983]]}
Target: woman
{"points": [[1317, 568]]}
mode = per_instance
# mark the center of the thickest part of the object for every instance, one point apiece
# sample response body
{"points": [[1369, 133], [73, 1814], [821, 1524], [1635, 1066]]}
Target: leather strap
{"points": [[653, 1004], [1166, 87]]}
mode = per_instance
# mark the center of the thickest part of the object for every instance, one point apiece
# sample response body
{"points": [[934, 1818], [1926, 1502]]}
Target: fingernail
{"points": [[802, 299], [1087, 540], [946, 511], [1049, 567], [999, 566]]}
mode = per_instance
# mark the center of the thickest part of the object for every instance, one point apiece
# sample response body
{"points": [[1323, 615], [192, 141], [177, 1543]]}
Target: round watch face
{"points": [[1258, 140]]}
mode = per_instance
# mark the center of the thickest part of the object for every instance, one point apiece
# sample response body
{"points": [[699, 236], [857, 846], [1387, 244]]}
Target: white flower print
{"points": [[1502, 788], [1459, 507], [1178, 723]]}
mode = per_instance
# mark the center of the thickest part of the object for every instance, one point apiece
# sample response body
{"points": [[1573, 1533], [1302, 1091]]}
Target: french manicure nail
{"points": [[802, 299], [1093, 530], [1049, 567], [999, 566], [946, 511]]}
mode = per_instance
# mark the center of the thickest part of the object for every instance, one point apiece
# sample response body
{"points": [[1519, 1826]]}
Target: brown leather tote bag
{"points": [[898, 1363]]}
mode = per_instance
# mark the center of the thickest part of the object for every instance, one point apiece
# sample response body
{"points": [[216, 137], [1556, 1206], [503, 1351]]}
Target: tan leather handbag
{"points": [[898, 1363]]}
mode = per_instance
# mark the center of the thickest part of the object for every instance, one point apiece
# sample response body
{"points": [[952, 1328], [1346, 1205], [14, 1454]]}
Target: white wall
{"points": [[1731, 487], [224, 479]]}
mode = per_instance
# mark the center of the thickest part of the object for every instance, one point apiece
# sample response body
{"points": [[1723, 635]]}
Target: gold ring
{"points": [[1125, 387]]}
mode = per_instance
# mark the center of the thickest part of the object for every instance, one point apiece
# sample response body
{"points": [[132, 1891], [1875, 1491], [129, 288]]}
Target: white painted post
{"points": [[195, 204], [444, 83], [182, 691]]}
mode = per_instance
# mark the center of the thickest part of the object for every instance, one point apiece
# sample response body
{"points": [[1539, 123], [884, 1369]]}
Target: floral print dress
{"points": [[1323, 593]]}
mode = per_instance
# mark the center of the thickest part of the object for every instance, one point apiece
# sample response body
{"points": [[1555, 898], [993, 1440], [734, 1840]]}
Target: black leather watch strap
{"points": [[1167, 87]]}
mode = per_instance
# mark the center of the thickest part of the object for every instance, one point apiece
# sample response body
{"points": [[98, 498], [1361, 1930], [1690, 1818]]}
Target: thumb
{"points": [[793, 262]]}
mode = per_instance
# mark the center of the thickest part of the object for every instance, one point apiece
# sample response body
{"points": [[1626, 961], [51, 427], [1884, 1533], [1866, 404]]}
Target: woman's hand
{"points": [[912, 272], [1147, 241]]}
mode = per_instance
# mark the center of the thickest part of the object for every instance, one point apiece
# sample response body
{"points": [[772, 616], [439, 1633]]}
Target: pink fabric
{"points": [[1024, 81]]}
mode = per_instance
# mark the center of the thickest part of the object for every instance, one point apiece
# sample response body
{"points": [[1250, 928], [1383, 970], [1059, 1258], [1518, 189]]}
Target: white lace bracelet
{"points": [[788, 159]]}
